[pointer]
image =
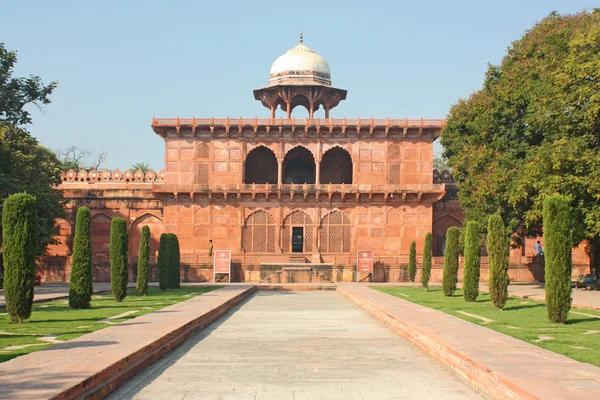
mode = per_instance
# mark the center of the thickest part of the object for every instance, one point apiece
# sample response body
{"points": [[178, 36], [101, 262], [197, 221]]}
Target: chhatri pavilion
{"points": [[277, 191]]}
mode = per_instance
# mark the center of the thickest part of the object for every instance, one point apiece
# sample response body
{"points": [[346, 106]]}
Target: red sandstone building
{"points": [[279, 190]]}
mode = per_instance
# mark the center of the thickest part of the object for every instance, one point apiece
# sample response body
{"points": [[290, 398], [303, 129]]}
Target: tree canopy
{"points": [[533, 129]]}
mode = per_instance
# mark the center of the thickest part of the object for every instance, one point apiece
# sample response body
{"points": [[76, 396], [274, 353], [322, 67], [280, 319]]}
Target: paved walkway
{"points": [[296, 345], [502, 366], [58, 290]]}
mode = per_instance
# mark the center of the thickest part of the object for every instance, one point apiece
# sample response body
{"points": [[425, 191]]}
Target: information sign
{"points": [[364, 262], [222, 264]]}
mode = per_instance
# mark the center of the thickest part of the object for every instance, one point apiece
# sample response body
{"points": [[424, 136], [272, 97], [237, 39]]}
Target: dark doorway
{"points": [[261, 166], [299, 166], [336, 167], [297, 239]]}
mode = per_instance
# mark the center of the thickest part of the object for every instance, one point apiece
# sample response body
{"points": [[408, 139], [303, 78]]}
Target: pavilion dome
{"points": [[300, 66]]}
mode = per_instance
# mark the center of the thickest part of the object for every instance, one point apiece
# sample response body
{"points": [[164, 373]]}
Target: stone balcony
{"points": [[305, 192]]}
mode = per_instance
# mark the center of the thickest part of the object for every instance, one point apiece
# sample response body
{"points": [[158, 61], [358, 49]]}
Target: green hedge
{"points": [[426, 268], [80, 288], [450, 274], [19, 244], [412, 261], [558, 257], [141, 286], [119, 245], [497, 249], [472, 262]]}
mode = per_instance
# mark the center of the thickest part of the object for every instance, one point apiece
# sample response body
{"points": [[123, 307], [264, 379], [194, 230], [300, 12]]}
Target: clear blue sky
{"points": [[119, 63]]}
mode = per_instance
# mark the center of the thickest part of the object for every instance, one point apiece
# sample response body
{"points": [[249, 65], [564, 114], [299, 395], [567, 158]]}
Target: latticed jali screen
{"points": [[259, 233], [335, 233], [297, 218], [202, 173], [393, 177], [202, 150]]}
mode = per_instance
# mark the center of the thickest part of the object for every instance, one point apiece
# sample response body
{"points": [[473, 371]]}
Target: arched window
{"points": [[259, 233], [335, 233], [299, 166], [336, 167], [394, 156], [297, 233], [261, 166]]}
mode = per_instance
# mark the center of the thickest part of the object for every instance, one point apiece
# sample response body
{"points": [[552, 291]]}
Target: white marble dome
{"points": [[299, 66]]}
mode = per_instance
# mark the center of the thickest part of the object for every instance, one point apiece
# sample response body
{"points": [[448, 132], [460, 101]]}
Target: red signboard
{"points": [[364, 261], [222, 262]]}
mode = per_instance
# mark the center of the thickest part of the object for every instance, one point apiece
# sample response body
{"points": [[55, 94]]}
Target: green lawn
{"points": [[57, 321], [523, 319]]}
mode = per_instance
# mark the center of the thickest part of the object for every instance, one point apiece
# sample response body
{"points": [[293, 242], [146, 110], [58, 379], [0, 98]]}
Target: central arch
{"points": [[336, 167], [299, 166], [302, 223], [261, 166]]}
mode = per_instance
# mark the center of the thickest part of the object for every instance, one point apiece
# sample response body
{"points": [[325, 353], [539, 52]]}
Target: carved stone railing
{"points": [[297, 126], [114, 176]]}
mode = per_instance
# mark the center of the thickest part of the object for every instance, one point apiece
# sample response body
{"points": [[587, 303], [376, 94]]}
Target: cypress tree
{"points": [[426, 269], [557, 234], [163, 262], [1, 271], [498, 260], [141, 286], [119, 242], [450, 275], [472, 262], [80, 288], [174, 262], [19, 244], [412, 261]]}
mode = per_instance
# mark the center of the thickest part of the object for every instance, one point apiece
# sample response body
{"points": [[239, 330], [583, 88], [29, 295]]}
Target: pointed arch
{"points": [[297, 218], [336, 166], [299, 166], [261, 166], [439, 228], [135, 232], [335, 233], [259, 233]]}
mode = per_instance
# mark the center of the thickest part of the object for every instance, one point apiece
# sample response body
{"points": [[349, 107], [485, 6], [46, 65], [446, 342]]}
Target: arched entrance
{"points": [[440, 226], [261, 166], [299, 166], [297, 233], [336, 167]]}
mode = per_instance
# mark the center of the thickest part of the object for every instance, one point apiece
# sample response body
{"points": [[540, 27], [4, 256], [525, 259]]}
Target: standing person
{"points": [[210, 248], [538, 249]]}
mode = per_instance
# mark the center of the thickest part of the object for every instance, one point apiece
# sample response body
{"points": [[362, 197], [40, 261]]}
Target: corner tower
{"points": [[300, 77]]}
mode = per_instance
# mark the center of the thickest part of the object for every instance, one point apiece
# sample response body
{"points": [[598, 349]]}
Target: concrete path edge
{"points": [[475, 373], [101, 384]]}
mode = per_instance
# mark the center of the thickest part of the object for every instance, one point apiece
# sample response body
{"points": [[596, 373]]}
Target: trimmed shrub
{"points": [[163, 262], [141, 286], [472, 262], [119, 243], [174, 262], [1, 272], [412, 261], [557, 235], [19, 244], [426, 268], [80, 288], [498, 259], [450, 275]]}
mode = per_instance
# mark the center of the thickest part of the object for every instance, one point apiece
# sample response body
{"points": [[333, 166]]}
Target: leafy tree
{"points": [[174, 262], [26, 166], [18, 93], [140, 166], [143, 255], [497, 249], [119, 241], [440, 163], [557, 234], [81, 289], [412, 261], [533, 130], [163, 262], [426, 269], [472, 262], [450, 274], [19, 244]]}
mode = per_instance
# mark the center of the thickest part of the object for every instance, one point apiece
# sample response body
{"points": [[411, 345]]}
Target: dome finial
{"points": [[301, 37]]}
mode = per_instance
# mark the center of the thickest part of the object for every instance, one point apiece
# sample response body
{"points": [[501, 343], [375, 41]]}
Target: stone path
{"points": [[58, 290], [296, 345]]}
